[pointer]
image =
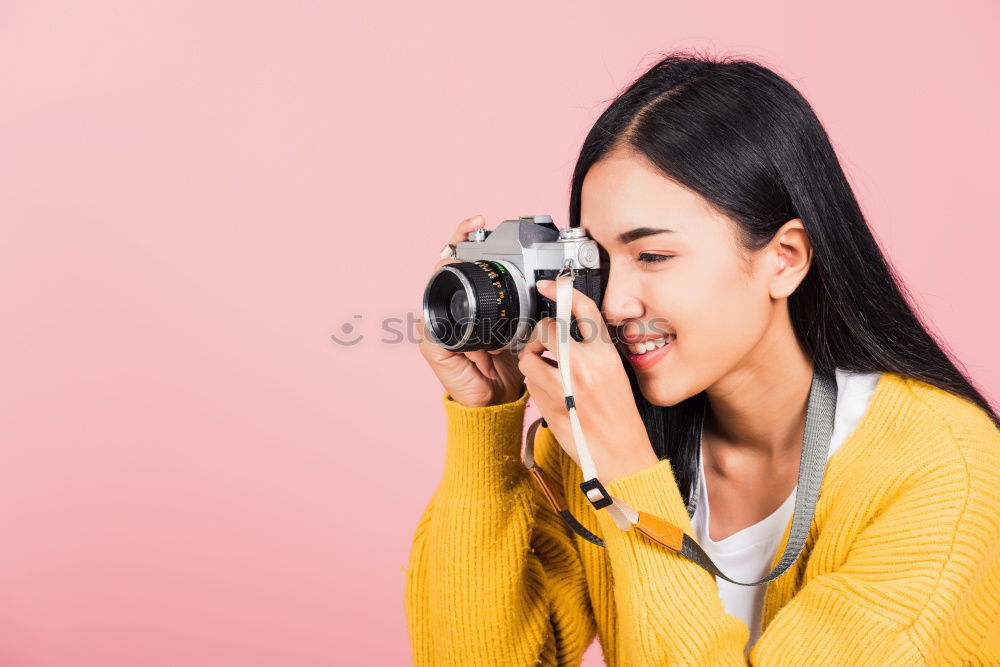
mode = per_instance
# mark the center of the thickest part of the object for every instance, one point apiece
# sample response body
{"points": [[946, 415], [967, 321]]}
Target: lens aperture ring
{"points": [[496, 301]]}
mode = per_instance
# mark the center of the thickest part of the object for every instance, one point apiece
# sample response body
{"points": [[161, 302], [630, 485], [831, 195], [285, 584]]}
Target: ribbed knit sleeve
{"points": [[494, 576], [919, 583]]}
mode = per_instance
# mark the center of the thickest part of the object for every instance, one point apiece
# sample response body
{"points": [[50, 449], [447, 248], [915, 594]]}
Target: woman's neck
{"points": [[759, 408]]}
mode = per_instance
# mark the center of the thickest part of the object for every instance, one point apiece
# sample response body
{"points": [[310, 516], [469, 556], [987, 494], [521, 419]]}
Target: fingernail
{"points": [[544, 283]]}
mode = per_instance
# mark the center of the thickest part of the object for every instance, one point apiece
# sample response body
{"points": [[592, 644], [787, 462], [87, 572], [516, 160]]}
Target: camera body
{"points": [[489, 299]]}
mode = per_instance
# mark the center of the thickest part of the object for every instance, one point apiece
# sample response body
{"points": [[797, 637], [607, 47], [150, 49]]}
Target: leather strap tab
{"points": [[549, 490], [558, 503], [660, 531]]}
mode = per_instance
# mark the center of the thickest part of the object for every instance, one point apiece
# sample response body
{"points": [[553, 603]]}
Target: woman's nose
{"points": [[619, 306]]}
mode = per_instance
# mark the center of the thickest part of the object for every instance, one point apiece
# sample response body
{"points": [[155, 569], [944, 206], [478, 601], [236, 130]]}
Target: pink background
{"points": [[195, 195]]}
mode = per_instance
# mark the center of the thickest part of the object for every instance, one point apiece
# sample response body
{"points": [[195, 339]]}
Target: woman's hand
{"points": [[616, 435], [477, 378]]}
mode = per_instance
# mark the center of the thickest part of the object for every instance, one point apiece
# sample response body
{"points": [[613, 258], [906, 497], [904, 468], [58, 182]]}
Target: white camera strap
{"points": [[625, 517], [812, 464]]}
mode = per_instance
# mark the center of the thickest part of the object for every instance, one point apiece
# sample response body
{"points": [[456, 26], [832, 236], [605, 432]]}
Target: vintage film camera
{"points": [[488, 299]]}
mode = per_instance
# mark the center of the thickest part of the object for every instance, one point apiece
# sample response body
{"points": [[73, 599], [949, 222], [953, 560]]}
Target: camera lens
{"points": [[458, 306], [471, 306]]}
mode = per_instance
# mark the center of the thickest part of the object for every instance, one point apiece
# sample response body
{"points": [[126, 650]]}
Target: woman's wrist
{"points": [[505, 399], [511, 396]]}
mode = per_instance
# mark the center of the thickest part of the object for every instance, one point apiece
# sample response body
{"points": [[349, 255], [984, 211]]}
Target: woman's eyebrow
{"points": [[641, 232]]}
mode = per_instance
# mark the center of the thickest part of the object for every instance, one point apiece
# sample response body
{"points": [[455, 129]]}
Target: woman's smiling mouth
{"points": [[644, 354]]}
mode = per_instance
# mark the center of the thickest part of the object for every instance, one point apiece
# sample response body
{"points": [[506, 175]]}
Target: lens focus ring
{"points": [[489, 293]]}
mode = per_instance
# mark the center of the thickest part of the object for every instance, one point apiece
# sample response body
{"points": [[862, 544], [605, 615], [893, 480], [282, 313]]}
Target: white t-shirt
{"points": [[747, 555]]}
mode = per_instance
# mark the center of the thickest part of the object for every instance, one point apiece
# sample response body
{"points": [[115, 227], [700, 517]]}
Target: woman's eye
{"points": [[649, 258]]}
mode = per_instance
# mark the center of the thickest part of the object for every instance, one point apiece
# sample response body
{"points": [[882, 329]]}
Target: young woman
{"points": [[739, 263]]}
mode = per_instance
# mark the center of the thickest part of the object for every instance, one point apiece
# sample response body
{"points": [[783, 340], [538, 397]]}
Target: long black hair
{"points": [[747, 141]]}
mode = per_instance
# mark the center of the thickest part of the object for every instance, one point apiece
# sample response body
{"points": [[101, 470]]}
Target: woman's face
{"points": [[693, 286]]}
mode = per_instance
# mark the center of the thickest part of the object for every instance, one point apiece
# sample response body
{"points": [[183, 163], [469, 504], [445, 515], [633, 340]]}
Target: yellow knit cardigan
{"points": [[901, 566]]}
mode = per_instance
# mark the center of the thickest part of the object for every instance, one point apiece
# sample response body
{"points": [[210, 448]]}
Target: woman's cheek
{"points": [[738, 326], [706, 338]]}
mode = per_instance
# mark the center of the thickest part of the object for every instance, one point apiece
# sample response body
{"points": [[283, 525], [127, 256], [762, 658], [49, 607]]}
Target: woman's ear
{"points": [[792, 257]]}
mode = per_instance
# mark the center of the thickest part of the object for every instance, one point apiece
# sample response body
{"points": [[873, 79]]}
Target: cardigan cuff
{"points": [[483, 449]]}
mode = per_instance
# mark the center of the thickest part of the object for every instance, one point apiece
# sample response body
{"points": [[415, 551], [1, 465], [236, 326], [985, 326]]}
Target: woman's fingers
{"points": [[544, 336], [542, 374], [459, 235], [446, 260], [483, 362], [466, 226], [431, 351], [589, 319]]}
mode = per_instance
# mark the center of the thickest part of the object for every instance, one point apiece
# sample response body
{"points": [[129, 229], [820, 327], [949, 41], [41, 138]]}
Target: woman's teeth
{"points": [[649, 345]]}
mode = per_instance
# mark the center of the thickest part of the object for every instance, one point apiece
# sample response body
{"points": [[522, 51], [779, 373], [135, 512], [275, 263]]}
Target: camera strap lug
{"points": [[567, 270]]}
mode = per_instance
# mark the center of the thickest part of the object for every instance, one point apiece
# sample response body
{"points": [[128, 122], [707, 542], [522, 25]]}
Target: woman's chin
{"points": [[658, 393]]}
